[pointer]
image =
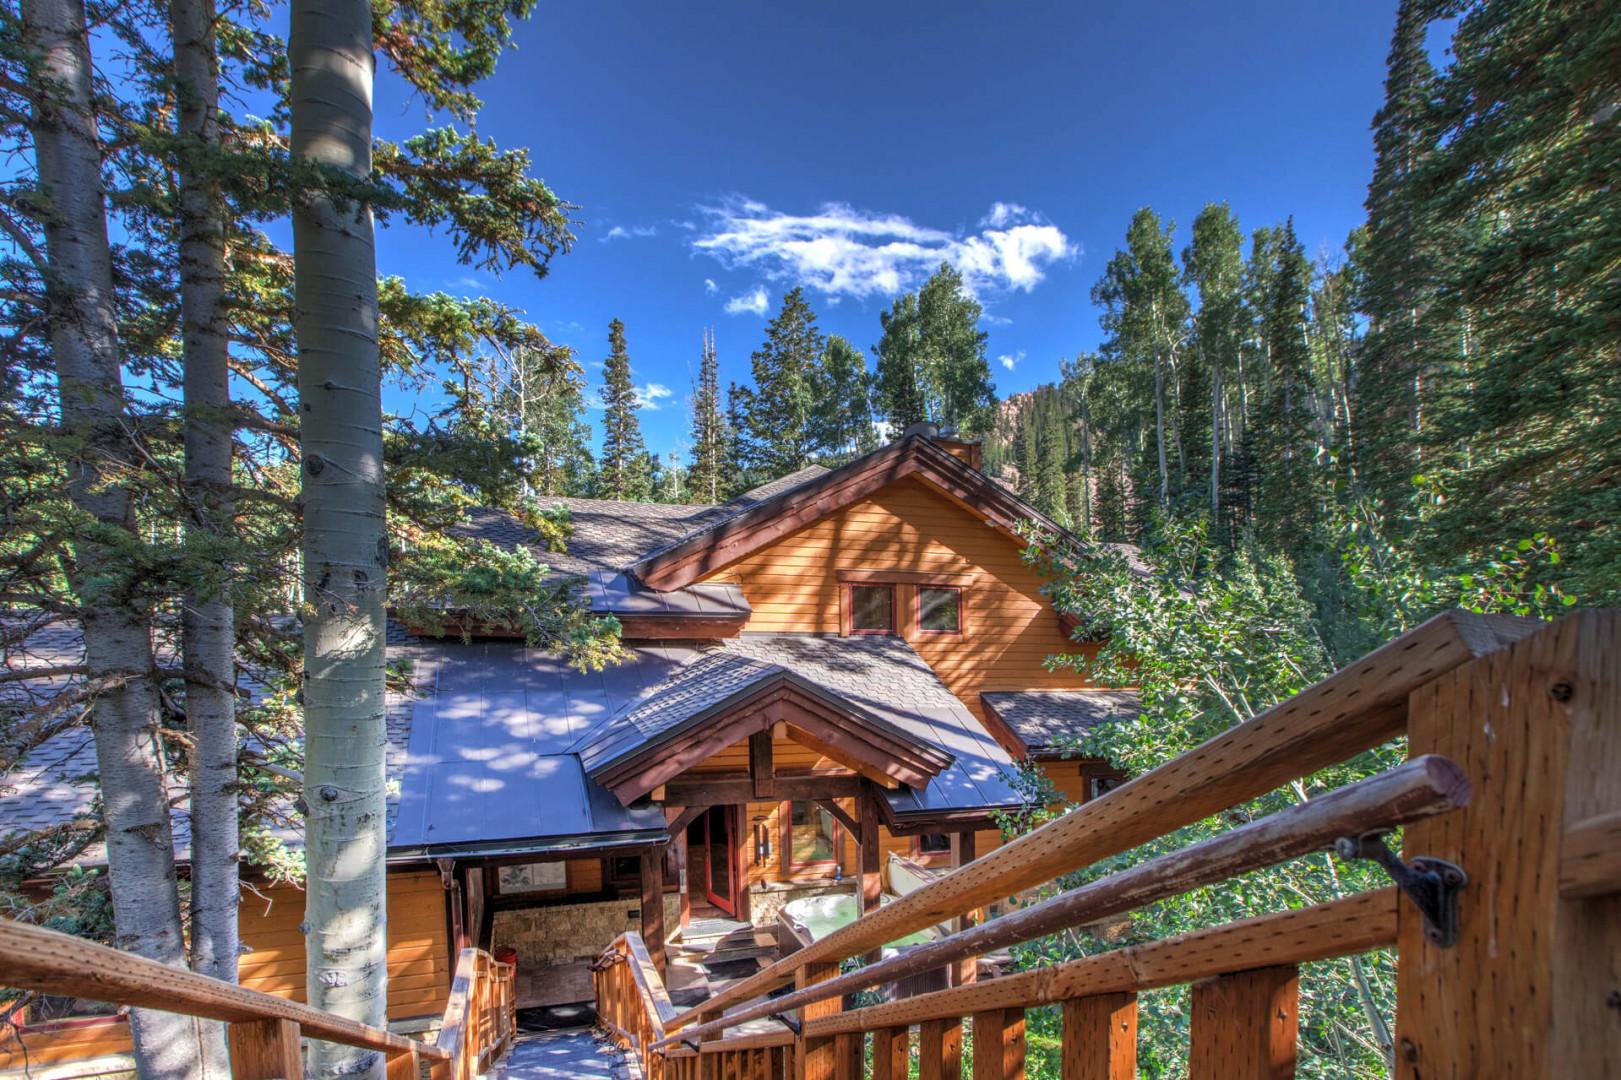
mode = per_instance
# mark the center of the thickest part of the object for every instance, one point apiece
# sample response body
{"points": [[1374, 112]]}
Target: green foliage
{"points": [[709, 477], [624, 472], [780, 412], [931, 359], [841, 420]]}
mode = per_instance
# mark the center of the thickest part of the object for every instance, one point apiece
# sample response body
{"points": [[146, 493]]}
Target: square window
{"points": [[813, 835], [934, 843], [872, 609], [939, 609]]}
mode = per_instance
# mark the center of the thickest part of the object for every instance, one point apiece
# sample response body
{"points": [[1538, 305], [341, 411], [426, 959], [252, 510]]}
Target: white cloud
{"points": [[635, 232], [1013, 361], [755, 302], [649, 396], [842, 251], [710, 287], [474, 284]]}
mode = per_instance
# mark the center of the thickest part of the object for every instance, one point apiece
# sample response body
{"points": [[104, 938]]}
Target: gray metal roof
{"points": [[1050, 719]]}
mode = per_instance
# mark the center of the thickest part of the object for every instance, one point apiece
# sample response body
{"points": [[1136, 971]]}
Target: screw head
{"points": [[1409, 1051]]}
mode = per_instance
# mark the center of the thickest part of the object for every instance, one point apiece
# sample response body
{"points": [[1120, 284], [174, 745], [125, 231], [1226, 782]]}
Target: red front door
{"points": [[720, 881]]}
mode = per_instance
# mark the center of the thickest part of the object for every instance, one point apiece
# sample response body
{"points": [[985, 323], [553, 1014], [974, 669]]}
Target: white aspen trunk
{"points": [[1159, 429], [115, 622], [345, 546], [207, 624], [1215, 444]]}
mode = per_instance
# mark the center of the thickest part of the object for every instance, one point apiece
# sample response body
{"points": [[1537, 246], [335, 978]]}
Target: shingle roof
{"points": [[1050, 719]]}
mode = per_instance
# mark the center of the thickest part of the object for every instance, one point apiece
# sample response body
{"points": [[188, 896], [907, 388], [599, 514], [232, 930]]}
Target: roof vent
{"points": [[924, 428]]}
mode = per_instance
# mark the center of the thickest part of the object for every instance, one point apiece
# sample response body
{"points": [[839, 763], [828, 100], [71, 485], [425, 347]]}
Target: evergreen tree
{"points": [[781, 438], [1214, 265], [624, 472], [707, 477], [1285, 429], [741, 474], [841, 423], [897, 387], [1051, 491]]}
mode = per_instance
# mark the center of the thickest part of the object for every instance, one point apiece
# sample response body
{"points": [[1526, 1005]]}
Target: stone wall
{"points": [[566, 933]]}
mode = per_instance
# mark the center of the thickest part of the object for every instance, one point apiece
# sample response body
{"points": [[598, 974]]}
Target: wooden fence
{"points": [[1503, 909]]}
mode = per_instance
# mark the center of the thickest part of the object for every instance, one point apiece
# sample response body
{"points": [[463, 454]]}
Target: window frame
{"points": [[919, 855], [790, 868], [894, 608], [962, 610]]}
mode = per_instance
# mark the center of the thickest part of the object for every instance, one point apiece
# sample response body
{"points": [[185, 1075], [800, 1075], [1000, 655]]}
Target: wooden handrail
{"points": [[35, 958], [1344, 927], [480, 1016], [1358, 707], [1420, 788]]}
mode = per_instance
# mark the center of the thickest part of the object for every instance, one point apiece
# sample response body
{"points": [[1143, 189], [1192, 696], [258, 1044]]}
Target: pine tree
{"points": [[624, 472], [1214, 265], [1285, 428], [931, 359], [709, 451], [1399, 265], [780, 410], [897, 388], [741, 474]]}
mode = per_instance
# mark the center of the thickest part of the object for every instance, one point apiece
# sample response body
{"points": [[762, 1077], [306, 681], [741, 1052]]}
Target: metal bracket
{"points": [[786, 1021], [1431, 884], [693, 1045]]}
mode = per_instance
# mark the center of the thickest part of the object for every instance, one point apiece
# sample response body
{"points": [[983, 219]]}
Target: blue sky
{"points": [[720, 152]]}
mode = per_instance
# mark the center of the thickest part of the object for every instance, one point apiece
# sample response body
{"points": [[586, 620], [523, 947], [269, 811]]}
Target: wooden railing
{"points": [[265, 1031], [1513, 783], [480, 1018]]}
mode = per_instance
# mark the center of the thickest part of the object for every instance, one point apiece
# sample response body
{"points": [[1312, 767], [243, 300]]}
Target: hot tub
{"points": [[812, 918]]}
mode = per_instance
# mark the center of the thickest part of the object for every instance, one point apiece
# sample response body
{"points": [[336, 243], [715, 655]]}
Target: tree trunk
{"points": [[115, 616], [1159, 429], [345, 547], [1215, 446], [207, 625]]}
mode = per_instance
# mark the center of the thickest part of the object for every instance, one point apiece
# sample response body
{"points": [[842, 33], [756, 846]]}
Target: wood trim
{"points": [[680, 627], [762, 770], [733, 789], [785, 819], [962, 609], [907, 577]]}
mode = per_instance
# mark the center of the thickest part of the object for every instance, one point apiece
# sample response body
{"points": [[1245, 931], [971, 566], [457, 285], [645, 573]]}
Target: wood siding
{"points": [[1009, 627], [418, 967]]}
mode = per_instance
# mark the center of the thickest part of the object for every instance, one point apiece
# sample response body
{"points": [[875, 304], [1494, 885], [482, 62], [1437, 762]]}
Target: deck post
{"points": [[962, 853], [1529, 989], [265, 1050], [999, 1044], [1244, 1026], [652, 874], [1100, 1037], [939, 1050], [815, 1058], [891, 1059]]}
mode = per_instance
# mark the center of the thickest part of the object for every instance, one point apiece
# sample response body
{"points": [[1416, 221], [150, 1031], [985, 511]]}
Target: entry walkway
{"points": [[567, 1054]]}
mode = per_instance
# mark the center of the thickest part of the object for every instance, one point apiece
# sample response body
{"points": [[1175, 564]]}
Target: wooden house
{"points": [[837, 666]]}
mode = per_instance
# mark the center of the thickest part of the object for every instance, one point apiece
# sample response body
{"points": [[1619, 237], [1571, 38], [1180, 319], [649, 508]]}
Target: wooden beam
{"points": [[851, 825], [683, 627], [1244, 1026], [1420, 788], [1358, 707], [652, 875], [847, 1054], [1590, 861], [265, 1050], [761, 769], [872, 884], [1100, 1037], [999, 1044], [688, 814], [1538, 729], [891, 1059], [1344, 927], [33, 958], [966, 970], [939, 1049], [726, 792], [406, 1066]]}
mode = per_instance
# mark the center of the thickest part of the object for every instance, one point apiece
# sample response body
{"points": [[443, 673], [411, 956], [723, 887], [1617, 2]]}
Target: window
{"points": [[939, 609], [813, 837], [933, 843], [872, 609]]}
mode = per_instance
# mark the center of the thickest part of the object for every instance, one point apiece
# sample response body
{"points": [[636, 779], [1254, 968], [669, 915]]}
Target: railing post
{"points": [[999, 1045], [1529, 988], [939, 1049], [1244, 1026], [1100, 1037], [265, 1050], [816, 1058], [404, 1066], [847, 1054], [890, 1057]]}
